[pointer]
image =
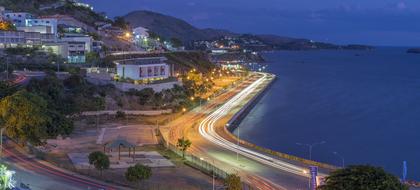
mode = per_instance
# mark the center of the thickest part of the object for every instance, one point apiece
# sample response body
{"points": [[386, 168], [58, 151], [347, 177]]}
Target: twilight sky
{"points": [[375, 22]]}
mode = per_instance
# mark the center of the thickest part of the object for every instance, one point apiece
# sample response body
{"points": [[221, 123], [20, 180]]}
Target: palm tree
{"points": [[183, 145]]}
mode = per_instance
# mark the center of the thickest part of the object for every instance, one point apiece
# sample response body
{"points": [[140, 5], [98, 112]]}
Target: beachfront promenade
{"points": [[205, 127]]}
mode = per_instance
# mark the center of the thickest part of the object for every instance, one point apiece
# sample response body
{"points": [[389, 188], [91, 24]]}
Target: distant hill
{"points": [[171, 27], [413, 50]]}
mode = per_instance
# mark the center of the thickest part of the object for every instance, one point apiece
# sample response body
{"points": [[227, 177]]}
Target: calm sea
{"points": [[364, 104]]}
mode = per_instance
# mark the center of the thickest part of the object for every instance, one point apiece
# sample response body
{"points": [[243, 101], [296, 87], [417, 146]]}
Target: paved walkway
{"points": [[152, 159], [128, 112]]}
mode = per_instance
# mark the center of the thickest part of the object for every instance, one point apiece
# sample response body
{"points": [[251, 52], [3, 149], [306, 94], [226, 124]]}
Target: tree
{"points": [[183, 145], [362, 177], [120, 22], [6, 89], [233, 182], [138, 173], [145, 95], [176, 42], [93, 58], [7, 180], [50, 88], [58, 125], [25, 117], [99, 160], [7, 26]]}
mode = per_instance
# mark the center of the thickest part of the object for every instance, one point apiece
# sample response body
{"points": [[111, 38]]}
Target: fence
{"points": [[108, 176], [199, 163]]}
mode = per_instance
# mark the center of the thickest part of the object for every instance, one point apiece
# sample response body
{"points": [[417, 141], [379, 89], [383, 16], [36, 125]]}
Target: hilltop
{"points": [[171, 27], [51, 7]]}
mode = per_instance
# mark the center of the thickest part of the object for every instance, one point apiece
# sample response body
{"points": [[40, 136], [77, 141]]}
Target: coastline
{"points": [[237, 118]]}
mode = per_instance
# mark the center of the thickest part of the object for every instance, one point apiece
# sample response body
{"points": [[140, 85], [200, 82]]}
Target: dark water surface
{"points": [[364, 104]]}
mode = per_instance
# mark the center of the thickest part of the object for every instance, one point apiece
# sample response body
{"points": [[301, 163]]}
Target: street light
{"points": [[201, 158], [310, 146], [1, 141], [341, 157]]}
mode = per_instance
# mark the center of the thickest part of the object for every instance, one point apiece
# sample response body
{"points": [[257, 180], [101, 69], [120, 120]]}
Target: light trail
{"points": [[207, 130]]}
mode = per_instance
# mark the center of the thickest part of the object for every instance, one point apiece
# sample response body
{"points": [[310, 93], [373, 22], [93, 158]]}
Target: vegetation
{"points": [[233, 182], [196, 84], [138, 173], [190, 60], [120, 114], [183, 144], [7, 26], [175, 98], [6, 89], [176, 42], [39, 111], [6, 178], [362, 177], [24, 5], [70, 96], [121, 23], [93, 58], [25, 117], [21, 50], [83, 14], [99, 160]]}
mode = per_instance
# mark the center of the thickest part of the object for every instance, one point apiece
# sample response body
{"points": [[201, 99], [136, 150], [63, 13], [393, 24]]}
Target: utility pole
{"points": [[237, 143], [1, 141], [7, 68], [310, 146], [342, 158]]}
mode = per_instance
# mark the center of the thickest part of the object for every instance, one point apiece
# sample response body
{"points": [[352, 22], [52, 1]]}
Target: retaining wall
{"points": [[234, 122]]}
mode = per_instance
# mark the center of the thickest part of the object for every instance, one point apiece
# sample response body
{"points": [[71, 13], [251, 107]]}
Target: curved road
{"points": [[260, 170], [40, 175]]}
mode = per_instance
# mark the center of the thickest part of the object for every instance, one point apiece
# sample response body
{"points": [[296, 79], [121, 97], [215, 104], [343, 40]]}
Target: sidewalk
{"points": [[128, 112], [16, 148]]}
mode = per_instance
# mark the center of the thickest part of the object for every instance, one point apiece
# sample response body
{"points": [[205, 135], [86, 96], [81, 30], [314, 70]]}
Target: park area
{"points": [[126, 141]]}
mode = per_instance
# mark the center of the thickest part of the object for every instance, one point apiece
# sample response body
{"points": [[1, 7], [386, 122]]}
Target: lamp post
{"points": [[1, 141], [310, 146], [212, 170], [7, 68], [341, 157], [237, 144]]}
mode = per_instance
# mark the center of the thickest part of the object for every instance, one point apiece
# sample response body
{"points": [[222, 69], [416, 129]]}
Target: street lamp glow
{"points": [[184, 109], [192, 98]]}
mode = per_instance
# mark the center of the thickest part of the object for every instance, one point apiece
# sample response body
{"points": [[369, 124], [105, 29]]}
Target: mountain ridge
{"points": [[172, 27]]}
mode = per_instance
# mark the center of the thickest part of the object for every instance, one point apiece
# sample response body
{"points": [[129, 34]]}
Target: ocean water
{"points": [[364, 104]]}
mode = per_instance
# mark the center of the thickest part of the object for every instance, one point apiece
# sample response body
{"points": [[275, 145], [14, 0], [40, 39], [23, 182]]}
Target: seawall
{"points": [[237, 118]]}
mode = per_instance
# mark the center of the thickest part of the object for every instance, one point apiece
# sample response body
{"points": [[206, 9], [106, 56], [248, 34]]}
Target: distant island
{"points": [[413, 50]]}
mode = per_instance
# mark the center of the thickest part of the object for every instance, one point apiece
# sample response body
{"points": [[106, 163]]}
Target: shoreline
{"points": [[238, 117]]}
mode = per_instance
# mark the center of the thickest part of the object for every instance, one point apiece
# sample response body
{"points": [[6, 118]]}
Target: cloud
{"points": [[401, 6]]}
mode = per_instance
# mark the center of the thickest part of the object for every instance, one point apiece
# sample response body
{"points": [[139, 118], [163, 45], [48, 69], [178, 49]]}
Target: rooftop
{"points": [[141, 61]]}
